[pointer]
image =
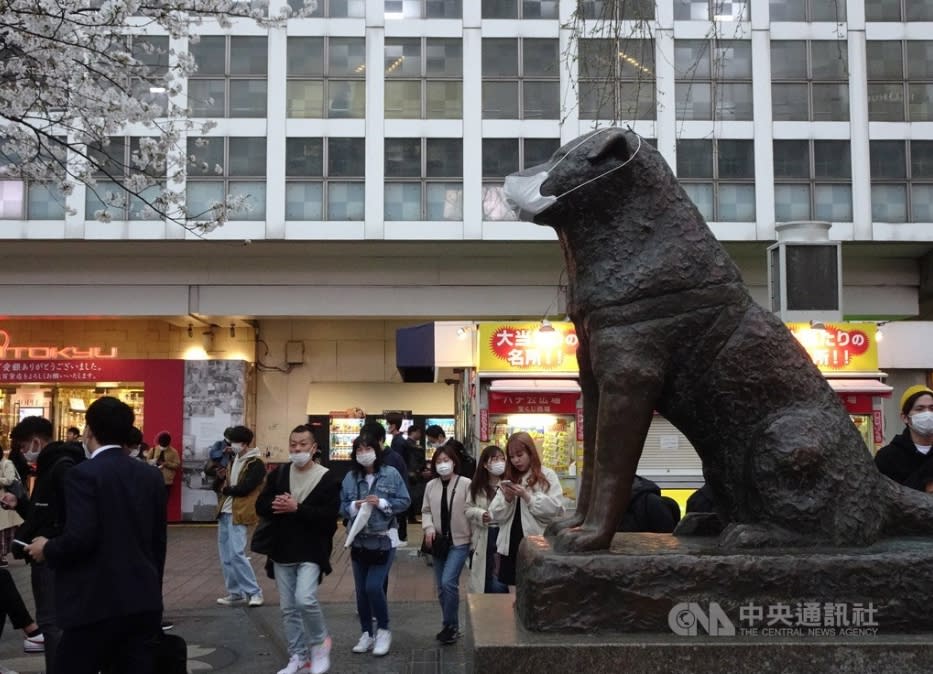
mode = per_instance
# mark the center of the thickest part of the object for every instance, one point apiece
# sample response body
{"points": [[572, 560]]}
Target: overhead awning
{"points": [[870, 386], [535, 385], [414, 353]]}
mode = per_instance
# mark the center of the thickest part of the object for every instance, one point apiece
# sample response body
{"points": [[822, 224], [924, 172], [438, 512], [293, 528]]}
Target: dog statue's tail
{"points": [[908, 512]]}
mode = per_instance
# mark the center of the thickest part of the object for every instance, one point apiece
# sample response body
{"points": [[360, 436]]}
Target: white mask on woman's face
{"points": [[497, 467], [444, 468], [366, 458]]}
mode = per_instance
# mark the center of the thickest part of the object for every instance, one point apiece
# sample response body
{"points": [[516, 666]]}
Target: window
{"points": [[423, 9], [899, 10], [324, 176], [520, 9], [29, 200], [336, 9], [521, 79], [813, 180], [719, 176], [221, 169], [718, 10], [231, 77], [900, 80], [116, 162], [617, 10], [148, 83], [808, 10], [902, 180], [617, 79], [326, 77], [424, 179], [810, 80], [502, 156], [714, 79], [424, 78]]}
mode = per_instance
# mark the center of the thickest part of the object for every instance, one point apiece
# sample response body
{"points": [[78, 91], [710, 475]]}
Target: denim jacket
{"points": [[388, 485]]}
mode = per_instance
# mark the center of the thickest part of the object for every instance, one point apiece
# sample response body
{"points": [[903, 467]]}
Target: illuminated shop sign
{"points": [[51, 352], [841, 347], [526, 348]]}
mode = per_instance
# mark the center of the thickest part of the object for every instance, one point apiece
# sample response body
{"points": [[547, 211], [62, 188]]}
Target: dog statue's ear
{"points": [[610, 144]]}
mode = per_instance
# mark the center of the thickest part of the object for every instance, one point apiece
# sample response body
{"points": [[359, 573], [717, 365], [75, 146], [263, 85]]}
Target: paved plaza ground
{"points": [[250, 641]]}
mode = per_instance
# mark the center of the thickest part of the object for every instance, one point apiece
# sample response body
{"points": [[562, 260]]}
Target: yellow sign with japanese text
{"points": [[841, 347], [528, 347]]}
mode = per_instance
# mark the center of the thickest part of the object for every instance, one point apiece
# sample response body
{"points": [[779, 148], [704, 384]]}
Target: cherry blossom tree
{"points": [[77, 74]]}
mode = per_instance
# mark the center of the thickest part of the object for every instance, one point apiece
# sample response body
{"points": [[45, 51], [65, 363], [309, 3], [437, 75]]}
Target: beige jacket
{"points": [[8, 518], [458, 491], [171, 462], [474, 512], [544, 507]]}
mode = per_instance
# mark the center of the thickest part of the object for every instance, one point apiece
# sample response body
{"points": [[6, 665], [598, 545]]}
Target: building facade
{"points": [[372, 139]]}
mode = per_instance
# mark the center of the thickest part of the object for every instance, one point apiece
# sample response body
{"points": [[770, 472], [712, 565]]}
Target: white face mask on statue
{"points": [[444, 468], [300, 459], [922, 423], [523, 190], [497, 467], [366, 458]]}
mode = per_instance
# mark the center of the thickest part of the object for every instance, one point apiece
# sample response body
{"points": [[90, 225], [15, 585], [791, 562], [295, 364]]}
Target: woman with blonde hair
{"points": [[529, 499]]}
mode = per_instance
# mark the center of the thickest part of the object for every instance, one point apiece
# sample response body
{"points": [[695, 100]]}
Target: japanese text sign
{"points": [[841, 347], [501, 402], [525, 347]]}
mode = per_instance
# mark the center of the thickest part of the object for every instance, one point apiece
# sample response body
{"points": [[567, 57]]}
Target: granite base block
{"points": [[884, 588], [499, 643]]}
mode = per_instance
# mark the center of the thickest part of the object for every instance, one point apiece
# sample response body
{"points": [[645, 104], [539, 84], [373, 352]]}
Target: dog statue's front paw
{"points": [[580, 539], [573, 520]]}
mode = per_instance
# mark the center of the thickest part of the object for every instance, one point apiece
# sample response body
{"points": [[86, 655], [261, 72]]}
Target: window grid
{"points": [[326, 77], [812, 180], [424, 9], [809, 80], [898, 10], [900, 80], [719, 176], [119, 160], [521, 78], [520, 9], [707, 10], [224, 167], [901, 180], [617, 10], [423, 78], [714, 79], [152, 52], [423, 179], [336, 9], [325, 179], [237, 87], [26, 199], [616, 79], [808, 10]]}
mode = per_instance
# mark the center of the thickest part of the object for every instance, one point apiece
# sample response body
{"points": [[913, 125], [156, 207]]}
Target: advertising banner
{"points": [[528, 348], [841, 347]]}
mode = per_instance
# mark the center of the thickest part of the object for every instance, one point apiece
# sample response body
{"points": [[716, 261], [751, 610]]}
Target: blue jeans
{"points": [[371, 599], [447, 574], [493, 584], [301, 612], [239, 577]]}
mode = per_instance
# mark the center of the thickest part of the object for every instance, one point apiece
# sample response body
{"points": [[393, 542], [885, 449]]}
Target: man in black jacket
{"points": [[302, 502], [908, 459], [44, 515]]}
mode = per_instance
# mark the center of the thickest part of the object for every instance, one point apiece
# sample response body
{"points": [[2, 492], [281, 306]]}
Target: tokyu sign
{"points": [[51, 352]]}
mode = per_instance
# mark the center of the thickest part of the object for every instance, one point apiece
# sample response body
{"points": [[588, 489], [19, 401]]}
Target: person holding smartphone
{"points": [[529, 499]]}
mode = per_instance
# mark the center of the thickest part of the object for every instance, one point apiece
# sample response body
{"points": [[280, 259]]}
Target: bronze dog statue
{"points": [[665, 323]]}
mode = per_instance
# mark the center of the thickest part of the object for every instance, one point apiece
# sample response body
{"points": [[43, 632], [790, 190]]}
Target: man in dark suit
{"points": [[109, 559]]}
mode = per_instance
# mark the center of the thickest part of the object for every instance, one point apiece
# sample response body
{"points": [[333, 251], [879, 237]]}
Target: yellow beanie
{"points": [[912, 391]]}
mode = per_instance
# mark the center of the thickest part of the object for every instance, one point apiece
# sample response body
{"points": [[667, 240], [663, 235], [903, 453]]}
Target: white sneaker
{"points": [[320, 657], [34, 644], [296, 665], [364, 644], [230, 600], [256, 600], [383, 642]]}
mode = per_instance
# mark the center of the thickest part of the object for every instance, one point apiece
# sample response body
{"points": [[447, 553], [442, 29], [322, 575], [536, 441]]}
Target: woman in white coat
{"points": [[489, 470], [9, 520], [530, 491]]}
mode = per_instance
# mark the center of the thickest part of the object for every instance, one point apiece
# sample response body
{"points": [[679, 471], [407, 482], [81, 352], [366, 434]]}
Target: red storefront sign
{"points": [[877, 426], [484, 425], [857, 403], [580, 424], [501, 402]]}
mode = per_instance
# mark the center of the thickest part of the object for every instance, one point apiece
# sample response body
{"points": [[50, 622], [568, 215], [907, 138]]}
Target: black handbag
{"points": [[263, 541], [371, 549], [442, 543]]}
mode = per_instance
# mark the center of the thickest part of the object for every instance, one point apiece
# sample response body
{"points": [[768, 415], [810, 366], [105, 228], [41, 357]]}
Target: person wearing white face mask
{"points": [[382, 489], [302, 501], [483, 489], [907, 459], [447, 535]]}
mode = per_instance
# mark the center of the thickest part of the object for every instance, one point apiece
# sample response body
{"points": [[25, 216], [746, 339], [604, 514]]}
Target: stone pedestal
{"points": [[499, 643], [660, 583]]}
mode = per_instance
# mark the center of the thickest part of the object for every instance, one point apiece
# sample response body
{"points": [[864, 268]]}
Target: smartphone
{"points": [[503, 482], [16, 541]]}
